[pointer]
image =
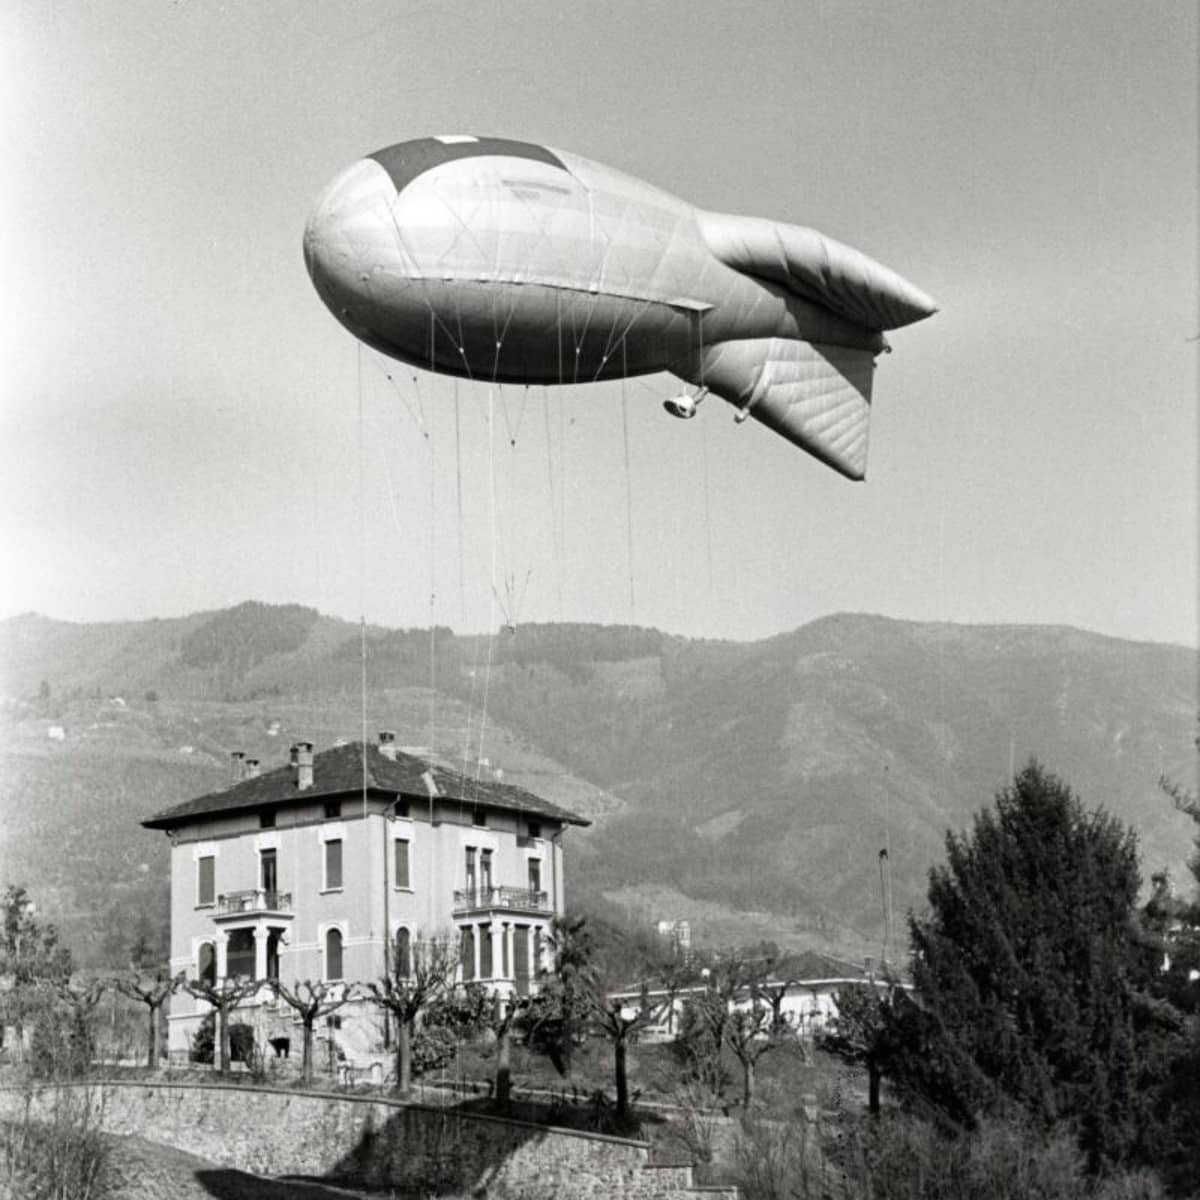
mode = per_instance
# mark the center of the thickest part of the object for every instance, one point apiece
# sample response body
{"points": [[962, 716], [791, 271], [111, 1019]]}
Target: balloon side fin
{"points": [[816, 396], [817, 268]]}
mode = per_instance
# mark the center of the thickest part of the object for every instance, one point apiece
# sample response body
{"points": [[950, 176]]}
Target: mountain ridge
{"points": [[759, 777]]}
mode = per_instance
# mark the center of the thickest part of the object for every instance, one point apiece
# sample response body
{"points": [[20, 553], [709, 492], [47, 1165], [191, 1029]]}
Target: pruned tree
{"points": [[224, 996], [860, 1034], [675, 974], [153, 991], [750, 1025], [620, 1023], [430, 973], [311, 1001], [472, 1010]]}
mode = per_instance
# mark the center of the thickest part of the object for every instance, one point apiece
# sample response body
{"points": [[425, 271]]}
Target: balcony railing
{"points": [[521, 899], [253, 900]]}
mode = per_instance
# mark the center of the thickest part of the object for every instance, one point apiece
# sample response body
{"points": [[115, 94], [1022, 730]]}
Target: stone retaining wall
{"points": [[382, 1143]]}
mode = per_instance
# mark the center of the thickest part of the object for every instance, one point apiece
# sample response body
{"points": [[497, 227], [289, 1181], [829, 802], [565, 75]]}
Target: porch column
{"points": [[260, 952], [494, 936], [476, 947], [222, 947]]}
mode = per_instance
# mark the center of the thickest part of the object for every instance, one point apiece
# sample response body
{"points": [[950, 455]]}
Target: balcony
{"points": [[251, 903], [510, 899]]}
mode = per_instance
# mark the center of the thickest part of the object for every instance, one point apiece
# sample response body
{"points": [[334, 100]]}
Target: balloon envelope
{"points": [[513, 262]]}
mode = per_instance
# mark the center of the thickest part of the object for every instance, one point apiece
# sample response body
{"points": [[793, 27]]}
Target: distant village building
{"points": [[678, 934], [334, 866], [811, 983]]}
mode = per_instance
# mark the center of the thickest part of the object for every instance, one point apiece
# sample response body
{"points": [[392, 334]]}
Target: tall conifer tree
{"points": [[1028, 971]]}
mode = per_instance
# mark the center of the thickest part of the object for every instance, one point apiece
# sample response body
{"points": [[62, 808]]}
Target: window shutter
{"points": [[333, 864], [206, 885]]}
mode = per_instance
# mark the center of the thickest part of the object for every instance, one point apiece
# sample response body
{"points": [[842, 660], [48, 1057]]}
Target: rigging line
{"points": [[582, 337], [521, 415], [628, 488], [420, 406], [418, 420], [610, 342], [555, 546], [432, 599], [708, 550], [362, 575], [499, 525], [487, 675], [462, 341], [462, 586], [637, 316], [417, 274]]}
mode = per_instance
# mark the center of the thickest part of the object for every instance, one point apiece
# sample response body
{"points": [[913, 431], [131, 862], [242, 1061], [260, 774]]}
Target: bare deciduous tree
{"points": [[311, 1001], [224, 997], [431, 969], [153, 991]]}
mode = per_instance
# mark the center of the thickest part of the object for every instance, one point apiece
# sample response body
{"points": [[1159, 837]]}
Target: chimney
{"points": [[294, 756], [239, 772], [387, 744], [252, 768], [304, 765]]}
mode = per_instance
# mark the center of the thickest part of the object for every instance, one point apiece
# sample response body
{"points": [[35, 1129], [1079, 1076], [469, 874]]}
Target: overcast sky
{"points": [[181, 416]]}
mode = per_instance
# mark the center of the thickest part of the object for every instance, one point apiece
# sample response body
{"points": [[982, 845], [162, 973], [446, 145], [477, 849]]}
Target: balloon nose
{"points": [[345, 230]]}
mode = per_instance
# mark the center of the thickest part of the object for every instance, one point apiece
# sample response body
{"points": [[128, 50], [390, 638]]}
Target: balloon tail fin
{"points": [[816, 396]]}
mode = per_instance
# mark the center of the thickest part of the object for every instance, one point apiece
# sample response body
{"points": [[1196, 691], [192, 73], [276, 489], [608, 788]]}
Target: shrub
{"points": [[433, 1047], [903, 1157], [59, 1154], [61, 1044], [241, 1042], [779, 1160]]}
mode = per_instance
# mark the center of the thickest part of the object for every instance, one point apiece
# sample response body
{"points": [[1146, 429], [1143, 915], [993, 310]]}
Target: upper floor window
{"points": [[479, 816], [266, 818], [403, 879], [268, 870], [535, 874], [471, 881], [333, 864], [333, 810], [400, 808], [535, 828], [206, 879], [333, 954], [485, 870]]}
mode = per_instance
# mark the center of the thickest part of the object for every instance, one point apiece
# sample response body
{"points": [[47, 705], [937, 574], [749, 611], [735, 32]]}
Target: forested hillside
{"points": [[750, 787]]}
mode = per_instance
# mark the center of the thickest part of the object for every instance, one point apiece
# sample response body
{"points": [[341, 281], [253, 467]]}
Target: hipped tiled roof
{"points": [[339, 772]]}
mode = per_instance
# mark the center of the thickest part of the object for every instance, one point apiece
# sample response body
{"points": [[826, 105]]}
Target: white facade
{"points": [[295, 882]]}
